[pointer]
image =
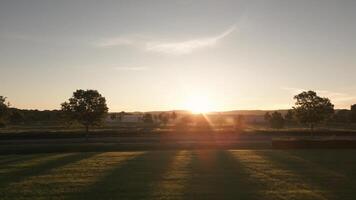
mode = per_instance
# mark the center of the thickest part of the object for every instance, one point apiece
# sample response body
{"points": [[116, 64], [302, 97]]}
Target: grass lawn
{"points": [[197, 174]]}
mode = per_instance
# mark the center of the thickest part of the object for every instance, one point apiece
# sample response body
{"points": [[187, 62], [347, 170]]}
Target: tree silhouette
{"points": [[353, 114], [267, 116], [164, 118], [147, 118], [276, 120], [87, 107], [289, 117], [16, 117], [113, 116], [4, 108], [311, 109], [173, 116]]}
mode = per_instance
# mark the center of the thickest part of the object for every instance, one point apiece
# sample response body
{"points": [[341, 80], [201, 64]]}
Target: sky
{"points": [[158, 54]]}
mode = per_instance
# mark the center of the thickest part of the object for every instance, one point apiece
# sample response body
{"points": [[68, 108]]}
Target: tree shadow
{"points": [[277, 180], [174, 181], [336, 162], [41, 168], [308, 167], [218, 175], [136, 178], [14, 159]]}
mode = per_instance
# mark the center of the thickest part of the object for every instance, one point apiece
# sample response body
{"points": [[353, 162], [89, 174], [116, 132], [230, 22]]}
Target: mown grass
{"points": [[184, 174]]}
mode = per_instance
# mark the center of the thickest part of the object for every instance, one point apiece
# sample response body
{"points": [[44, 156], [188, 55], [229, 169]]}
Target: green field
{"points": [[200, 174]]}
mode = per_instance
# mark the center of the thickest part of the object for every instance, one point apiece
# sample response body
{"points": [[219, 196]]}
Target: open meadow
{"points": [[177, 100], [181, 174]]}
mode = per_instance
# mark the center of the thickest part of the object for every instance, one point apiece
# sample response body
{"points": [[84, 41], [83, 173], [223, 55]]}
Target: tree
{"points": [[311, 109], [4, 108], [147, 118], [16, 117], [276, 120], [267, 116], [113, 116], [121, 115], [164, 118], [173, 116], [342, 116], [353, 114], [185, 121], [289, 116], [87, 107]]}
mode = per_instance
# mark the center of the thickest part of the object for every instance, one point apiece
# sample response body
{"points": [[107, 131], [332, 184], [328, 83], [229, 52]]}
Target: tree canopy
{"points": [[3, 110], [87, 107], [311, 109], [353, 113]]}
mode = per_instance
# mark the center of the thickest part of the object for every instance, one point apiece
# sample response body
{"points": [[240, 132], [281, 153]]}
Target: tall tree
{"points": [[87, 107], [311, 109], [4, 108], [353, 114]]}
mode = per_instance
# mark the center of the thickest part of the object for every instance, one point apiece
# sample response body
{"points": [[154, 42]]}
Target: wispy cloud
{"points": [[188, 46], [338, 97], [117, 41], [130, 68], [168, 47]]}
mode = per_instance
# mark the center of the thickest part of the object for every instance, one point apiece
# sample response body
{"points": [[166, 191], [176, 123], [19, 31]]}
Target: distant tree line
{"points": [[88, 107], [345, 116], [310, 110], [14, 116]]}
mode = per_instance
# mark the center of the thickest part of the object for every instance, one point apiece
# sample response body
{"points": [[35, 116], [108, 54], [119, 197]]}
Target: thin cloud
{"points": [[176, 48], [111, 42], [185, 47], [130, 68]]}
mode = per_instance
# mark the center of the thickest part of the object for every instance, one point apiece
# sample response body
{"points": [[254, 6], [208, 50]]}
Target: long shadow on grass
{"points": [[307, 165], [340, 163], [134, 179], [277, 181], [17, 176], [219, 175], [14, 159]]}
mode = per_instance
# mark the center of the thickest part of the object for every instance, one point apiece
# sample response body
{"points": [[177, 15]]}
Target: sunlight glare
{"points": [[198, 104]]}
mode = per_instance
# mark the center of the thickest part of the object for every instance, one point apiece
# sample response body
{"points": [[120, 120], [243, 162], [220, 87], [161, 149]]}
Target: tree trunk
{"points": [[86, 132]]}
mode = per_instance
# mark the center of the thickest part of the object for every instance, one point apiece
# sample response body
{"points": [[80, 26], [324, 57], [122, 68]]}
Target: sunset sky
{"points": [[158, 55]]}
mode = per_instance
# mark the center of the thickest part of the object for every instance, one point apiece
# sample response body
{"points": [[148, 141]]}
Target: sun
{"points": [[198, 104]]}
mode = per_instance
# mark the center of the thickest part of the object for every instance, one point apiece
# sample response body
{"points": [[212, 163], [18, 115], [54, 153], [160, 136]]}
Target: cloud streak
{"points": [[170, 47], [188, 46], [118, 41]]}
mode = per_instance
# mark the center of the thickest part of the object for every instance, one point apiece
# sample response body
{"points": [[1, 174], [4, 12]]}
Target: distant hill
{"points": [[232, 112], [251, 112]]}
